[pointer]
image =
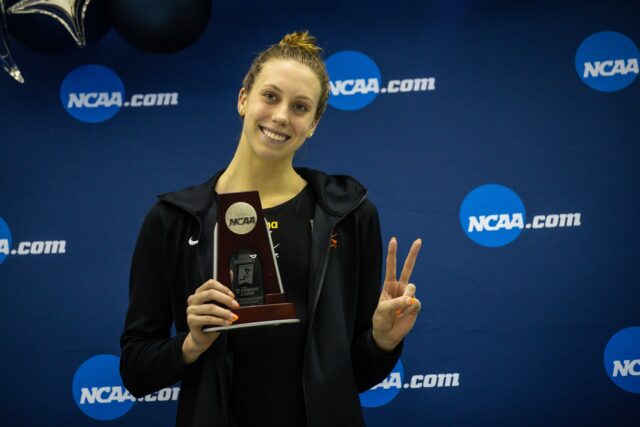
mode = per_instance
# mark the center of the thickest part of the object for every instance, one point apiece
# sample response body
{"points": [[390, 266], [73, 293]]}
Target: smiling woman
{"points": [[283, 97], [327, 235]]}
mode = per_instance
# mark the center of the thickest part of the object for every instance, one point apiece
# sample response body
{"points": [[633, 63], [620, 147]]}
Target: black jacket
{"points": [[341, 358]]}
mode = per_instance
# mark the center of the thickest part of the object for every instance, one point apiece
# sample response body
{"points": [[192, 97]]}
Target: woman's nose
{"points": [[281, 114]]}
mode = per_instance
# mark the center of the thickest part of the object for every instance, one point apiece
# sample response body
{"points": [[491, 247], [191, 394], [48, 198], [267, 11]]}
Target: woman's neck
{"points": [[276, 181]]}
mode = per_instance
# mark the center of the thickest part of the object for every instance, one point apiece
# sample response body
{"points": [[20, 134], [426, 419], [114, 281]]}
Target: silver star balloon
{"points": [[5, 53], [70, 13]]}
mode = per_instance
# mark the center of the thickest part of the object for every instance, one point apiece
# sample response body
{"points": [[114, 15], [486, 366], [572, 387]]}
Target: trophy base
{"points": [[259, 315], [251, 325]]}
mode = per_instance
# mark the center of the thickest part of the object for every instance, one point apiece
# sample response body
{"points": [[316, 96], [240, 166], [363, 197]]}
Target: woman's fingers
{"points": [[211, 310], [212, 295], [206, 307], [213, 291], [401, 305], [214, 284], [410, 262], [197, 322], [409, 290], [391, 260]]}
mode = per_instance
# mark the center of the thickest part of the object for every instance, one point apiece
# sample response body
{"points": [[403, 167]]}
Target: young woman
{"points": [[327, 238]]}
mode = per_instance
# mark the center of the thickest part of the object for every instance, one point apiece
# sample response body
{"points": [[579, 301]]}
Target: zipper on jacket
{"points": [[325, 264]]}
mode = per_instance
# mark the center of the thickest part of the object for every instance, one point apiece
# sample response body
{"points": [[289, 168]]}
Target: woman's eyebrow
{"points": [[277, 89]]}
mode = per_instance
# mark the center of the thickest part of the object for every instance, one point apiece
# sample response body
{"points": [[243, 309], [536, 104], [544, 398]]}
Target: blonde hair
{"points": [[299, 46]]}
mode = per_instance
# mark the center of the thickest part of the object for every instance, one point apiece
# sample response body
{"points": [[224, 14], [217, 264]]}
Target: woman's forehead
{"points": [[289, 75]]}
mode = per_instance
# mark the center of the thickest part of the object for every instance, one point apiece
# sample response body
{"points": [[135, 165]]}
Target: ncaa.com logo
{"points": [[390, 387], [36, 247], [607, 61], [98, 391], [355, 81], [94, 93], [493, 215], [622, 359]]}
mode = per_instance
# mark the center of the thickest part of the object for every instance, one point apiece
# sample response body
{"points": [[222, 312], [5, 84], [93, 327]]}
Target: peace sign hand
{"points": [[397, 308]]}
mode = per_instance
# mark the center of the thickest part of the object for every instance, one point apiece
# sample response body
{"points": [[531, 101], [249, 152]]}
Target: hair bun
{"points": [[301, 40]]}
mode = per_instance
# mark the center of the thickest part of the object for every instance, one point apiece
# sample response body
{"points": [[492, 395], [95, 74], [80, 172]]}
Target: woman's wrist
{"points": [[384, 344], [190, 352]]}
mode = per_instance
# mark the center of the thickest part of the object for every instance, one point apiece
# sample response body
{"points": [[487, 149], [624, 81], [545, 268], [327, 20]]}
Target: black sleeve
{"points": [[150, 358], [371, 365]]}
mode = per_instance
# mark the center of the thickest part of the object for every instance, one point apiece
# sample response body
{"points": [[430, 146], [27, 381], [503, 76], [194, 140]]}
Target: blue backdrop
{"points": [[505, 134]]}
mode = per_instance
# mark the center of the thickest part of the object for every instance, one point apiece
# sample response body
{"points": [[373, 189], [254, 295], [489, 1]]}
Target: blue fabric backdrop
{"points": [[516, 319]]}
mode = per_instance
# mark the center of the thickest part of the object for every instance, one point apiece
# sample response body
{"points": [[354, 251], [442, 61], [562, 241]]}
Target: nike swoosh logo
{"points": [[193, 242]]}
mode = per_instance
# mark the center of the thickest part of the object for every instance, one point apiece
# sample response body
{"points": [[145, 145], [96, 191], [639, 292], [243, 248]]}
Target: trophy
{"points": [[243, 256]]}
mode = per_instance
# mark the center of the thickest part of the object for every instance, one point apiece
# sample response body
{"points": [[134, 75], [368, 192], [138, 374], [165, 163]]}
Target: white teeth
{"points": [[273, 135]]}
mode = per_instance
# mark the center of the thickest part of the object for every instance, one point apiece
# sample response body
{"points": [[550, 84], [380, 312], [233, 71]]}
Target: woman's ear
{"points": [[242, 101], [313, 128]]}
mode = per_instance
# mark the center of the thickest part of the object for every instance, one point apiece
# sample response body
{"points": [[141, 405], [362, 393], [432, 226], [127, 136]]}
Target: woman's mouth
{"points": [[274, 136]]}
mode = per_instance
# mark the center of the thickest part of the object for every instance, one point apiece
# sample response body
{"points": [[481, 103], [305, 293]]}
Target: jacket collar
{"points": [[195, 199], [336, 194]]}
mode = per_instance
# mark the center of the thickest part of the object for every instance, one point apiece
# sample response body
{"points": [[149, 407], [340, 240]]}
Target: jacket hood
{"points": [[336, 194]]}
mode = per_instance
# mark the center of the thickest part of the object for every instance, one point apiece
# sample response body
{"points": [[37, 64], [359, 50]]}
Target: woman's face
{"points": [[280, 110]]}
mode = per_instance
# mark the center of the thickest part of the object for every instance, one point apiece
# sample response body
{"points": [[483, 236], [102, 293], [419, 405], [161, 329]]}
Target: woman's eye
{"points": [[270, 97], [300, 108]]}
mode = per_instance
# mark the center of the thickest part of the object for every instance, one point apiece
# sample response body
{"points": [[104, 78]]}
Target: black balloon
{"points": [[160, 26], [44, 34]]}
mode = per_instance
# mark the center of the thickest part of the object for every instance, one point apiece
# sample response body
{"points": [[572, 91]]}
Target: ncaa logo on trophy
{"points": [[240, 218]]}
